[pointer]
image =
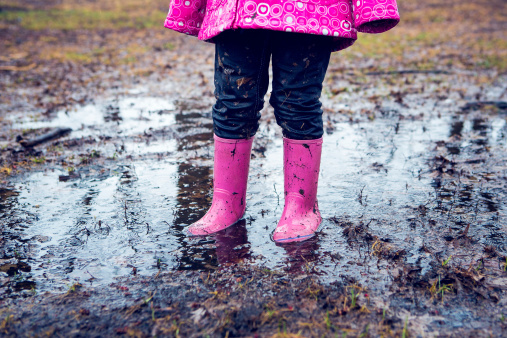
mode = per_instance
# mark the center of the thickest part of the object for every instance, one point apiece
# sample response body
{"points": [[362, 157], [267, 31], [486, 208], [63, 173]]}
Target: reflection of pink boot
{"points": [[301, 216], [230, 174]]}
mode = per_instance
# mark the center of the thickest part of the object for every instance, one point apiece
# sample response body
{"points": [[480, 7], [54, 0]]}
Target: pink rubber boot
{"points": [[301, 216], [230, 174]]}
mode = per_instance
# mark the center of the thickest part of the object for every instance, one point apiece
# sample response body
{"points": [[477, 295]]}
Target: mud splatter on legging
{"points": [[299, 64]]}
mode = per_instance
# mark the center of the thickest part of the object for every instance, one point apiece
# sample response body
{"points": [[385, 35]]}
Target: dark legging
{"points": [[299, 64]]}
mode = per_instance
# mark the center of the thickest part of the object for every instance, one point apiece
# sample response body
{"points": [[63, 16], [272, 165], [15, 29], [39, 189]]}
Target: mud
{"points": [[411, 189]]}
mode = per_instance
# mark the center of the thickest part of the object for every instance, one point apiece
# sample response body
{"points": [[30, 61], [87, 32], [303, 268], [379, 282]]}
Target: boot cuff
{"points": [[315, 141], [233, 141]]}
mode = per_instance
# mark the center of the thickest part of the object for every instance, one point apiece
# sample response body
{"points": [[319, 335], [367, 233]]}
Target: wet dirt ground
{"points": [[411, 190]]}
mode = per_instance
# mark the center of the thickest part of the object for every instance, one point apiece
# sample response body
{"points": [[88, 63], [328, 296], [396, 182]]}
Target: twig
{"points": [[479, 104], [410, 71], [55, 133], [18, 69], [277, 195], [14, 56], [126, 217], [360, 197], [465, 233], [90, 274]]}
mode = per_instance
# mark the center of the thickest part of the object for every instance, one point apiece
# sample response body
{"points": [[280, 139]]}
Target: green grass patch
{"points": [[82, 19], [78, 57], [169, 46], [129, 60], [376, 46], [493, 62]]}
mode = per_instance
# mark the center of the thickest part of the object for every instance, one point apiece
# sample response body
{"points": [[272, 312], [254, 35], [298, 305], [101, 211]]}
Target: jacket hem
{"points": [[378, 26], [181, 27]]}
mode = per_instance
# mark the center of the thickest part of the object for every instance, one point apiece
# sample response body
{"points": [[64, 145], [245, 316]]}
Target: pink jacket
{"points": [[341, 19]]}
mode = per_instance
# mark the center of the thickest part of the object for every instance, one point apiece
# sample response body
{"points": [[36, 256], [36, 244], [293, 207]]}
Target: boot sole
{"points": [[189, 234], [299, 238]]}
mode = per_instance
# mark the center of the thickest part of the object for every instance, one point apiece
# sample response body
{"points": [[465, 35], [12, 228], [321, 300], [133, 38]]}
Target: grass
{"points": [[78, 57], [493, 62], [147, 300], [268, 313], [327, 321], [313, 292], [431, 49], [282, 326], [444, 263], [404, 333], [73, 287], [152, 312], [39, 160], [353, 298], [438, 289], [84, 14], [169, 46], [287, 335], [365, 333], [175, 328], [6, 171], [82, 19], [8, 319], [55, 18], [438, 38]]}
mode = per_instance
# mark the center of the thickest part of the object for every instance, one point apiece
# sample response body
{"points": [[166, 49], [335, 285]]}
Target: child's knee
{"points": [[299, 118]]}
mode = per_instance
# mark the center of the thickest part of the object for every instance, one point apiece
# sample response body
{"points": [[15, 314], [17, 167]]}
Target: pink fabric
{"points": [[375, 16], [341, 19]]}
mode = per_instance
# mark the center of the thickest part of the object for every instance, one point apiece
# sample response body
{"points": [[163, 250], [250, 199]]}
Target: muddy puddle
{"points": [[405, 181]]}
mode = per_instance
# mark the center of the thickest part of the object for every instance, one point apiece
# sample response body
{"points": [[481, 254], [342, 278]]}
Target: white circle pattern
{"points": [[263, 9], [276, 10], [261, 21], [289, 19], [250, 7]]}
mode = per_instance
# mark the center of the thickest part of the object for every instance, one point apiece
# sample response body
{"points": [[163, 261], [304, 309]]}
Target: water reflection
{"points": [[481, 126], [456, 128], [301, 255], [193, 198], [232, 244]]}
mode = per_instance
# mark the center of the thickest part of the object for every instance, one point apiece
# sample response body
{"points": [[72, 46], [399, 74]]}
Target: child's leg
{"points": [[299, 65], [241, 80]]}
